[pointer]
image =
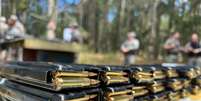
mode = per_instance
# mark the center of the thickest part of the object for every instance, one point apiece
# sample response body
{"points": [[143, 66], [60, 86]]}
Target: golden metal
{"points": [[172, 73], [174, 96], [157, 87], [177, 85], [118, 93], [191, 74], [116, 79], [139, 91], [86, 98], [159, 75], [73, 74], [121, 98], [116, 73], [143, 76]]}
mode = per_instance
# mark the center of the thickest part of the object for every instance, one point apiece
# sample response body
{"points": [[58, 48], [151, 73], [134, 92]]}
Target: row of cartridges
{"points": [[44, 81]]}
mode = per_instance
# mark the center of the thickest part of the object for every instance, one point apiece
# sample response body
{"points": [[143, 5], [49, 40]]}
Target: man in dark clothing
{"points": [[193, 49]]}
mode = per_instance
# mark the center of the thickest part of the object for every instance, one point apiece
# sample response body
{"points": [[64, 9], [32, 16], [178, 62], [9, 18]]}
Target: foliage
{"points": [[106, 22]]}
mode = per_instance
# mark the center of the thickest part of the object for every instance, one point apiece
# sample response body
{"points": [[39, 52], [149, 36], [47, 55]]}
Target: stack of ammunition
{"points": [[51, 76], [118, 93], [42, 81], [183, 83], [13, 91], [113, 75], [55, 82]]}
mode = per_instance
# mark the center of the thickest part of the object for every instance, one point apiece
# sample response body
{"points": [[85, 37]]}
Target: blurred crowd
{"points": [[130, 47], [13, 27], [192, 49], [172, 47]]}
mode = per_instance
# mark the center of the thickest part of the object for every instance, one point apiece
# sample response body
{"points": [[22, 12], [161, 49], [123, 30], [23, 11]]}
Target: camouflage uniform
{"points": [[173, 54], [132, 46]]}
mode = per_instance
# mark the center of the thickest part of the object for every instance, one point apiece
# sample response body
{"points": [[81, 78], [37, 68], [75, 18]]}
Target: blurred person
{"points": [[172, 47], [16, 28], [193, 49], [129, 48], [51, 27], [3, 30], [72, 33], [3, 26]]}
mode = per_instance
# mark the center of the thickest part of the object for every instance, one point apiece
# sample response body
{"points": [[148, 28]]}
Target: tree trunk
{"points": [[153, 35], [103, 26], [81, 11], [120, 24], [171, 16], [14, 7], [0, 7], [52, 13], [93, 22]]}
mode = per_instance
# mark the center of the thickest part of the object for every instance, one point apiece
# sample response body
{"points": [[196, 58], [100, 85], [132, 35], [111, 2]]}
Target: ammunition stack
{"points": [[49, 82], [42, 81]]}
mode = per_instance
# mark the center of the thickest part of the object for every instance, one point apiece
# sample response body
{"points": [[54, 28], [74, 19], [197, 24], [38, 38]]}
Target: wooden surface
{"points": [[50, 45], [40, 44]]}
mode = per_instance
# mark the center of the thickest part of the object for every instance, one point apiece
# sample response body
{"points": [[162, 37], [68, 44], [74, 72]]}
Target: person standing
{"points": [[51, 28], [16, 28], [72, 33], [129, 48], [193, 49], [172, 47], [16, 31], [3, 26], [3, 30]]}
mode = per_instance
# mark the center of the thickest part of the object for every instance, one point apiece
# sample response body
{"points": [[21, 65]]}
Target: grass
{"points": [[87, 56], [99, 58], [110, 58]]}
